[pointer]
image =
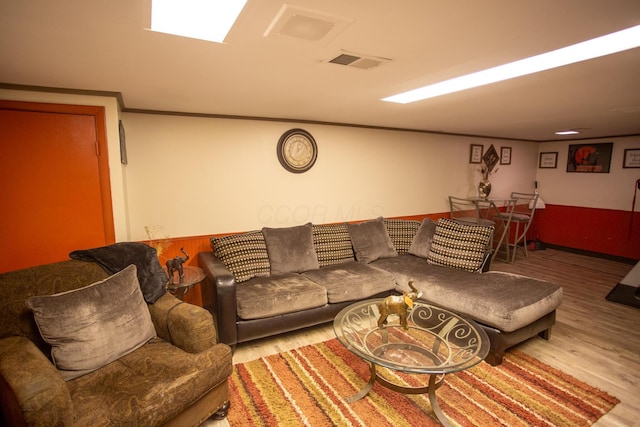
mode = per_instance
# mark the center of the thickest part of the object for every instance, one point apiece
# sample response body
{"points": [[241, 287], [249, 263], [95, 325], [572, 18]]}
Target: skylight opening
{"points": [[594, 48], [209, 20]]}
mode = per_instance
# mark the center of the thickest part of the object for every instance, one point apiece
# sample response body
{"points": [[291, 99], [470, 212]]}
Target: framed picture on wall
{"points": [[590, 158], [475, 156], [505, 155], [631, 158], [548, 160]]}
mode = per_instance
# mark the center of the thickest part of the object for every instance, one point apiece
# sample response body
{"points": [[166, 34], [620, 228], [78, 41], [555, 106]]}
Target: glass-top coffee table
{"points": [[437, 342]]}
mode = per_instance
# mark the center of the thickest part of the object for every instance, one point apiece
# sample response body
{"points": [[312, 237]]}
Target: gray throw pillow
{"points": [[421, 244], [371, 241], [290, 249], [90, 327]]}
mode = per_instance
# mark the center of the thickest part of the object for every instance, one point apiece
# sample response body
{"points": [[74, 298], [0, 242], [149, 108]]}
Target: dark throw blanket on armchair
{"points": [[116, 257]]}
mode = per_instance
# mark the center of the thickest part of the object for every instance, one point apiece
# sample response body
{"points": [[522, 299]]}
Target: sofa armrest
{"points": [[32, 392], [184, 325], [223, 284]]}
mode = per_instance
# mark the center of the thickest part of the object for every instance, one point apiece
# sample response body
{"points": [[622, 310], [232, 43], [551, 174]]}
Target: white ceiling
{"points": [[104, 46]]}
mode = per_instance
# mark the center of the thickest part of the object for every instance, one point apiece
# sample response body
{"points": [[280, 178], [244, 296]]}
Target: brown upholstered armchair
{"points": [[177, 377]]}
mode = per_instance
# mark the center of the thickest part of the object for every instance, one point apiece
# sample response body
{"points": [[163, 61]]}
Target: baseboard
{"points": [[593, 254]]}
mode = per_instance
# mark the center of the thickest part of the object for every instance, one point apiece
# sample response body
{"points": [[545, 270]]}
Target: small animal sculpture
{"points": [[398, 304], [175, 264]]}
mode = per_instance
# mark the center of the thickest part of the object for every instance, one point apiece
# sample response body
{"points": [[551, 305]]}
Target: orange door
{"points": [[52, 201]]}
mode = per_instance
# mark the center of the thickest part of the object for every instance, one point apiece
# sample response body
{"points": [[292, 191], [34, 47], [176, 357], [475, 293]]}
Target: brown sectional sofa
{"points": [[277, 280], [177, 375]]}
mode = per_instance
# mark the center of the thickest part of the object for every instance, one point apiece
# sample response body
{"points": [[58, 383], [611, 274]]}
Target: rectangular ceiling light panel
{"points": [[594, 48], [209, 20]]}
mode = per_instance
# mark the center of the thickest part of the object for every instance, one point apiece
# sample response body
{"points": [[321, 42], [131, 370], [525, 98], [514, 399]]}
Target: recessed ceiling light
{"points": [[306, 24], [600, 46], [198, 19], [567, 132], [307, 27]]}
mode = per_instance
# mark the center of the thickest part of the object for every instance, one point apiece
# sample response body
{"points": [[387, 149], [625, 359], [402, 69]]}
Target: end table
{"points": [[192, 276]]}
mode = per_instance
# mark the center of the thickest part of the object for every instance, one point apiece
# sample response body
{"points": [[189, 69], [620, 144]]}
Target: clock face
{"points": [[297, 150]]}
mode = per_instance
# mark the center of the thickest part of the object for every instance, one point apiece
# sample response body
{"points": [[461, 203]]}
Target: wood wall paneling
{"points": [[605, 231]]}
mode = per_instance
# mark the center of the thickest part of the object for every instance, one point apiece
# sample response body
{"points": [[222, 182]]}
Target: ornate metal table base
{"points": [[434, 342], [435, 381]]}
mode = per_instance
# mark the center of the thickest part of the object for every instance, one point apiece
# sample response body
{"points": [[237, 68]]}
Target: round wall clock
{"points": [[297, 150]]}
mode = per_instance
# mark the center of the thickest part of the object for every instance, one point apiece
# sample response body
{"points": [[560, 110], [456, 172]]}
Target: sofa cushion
{"points": [[501, 300], [263, 297], [290, 249], [332, 244], [352, 281], [458, 245], [150, 386], [90, 327], [401, 233], [245, 255], [421, 243], [371, 240]]}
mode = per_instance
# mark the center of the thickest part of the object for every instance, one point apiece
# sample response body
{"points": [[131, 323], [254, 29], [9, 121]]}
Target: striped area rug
{"points": [[307, 386]]}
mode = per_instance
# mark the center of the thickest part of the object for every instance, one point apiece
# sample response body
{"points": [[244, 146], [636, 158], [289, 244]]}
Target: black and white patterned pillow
{"points": [[401, 232], [332, 244], [459, 245], [245, 255]]}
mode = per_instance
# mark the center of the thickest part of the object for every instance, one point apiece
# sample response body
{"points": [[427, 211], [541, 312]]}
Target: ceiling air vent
{"points": [[358, 61]]}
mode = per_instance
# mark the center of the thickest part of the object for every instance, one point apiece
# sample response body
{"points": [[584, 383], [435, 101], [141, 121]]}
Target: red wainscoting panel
{"points": [[606, 231]]}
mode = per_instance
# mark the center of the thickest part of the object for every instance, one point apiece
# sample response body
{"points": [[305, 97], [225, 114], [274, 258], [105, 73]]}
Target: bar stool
{"points": [[468, 210], [522, 217]]}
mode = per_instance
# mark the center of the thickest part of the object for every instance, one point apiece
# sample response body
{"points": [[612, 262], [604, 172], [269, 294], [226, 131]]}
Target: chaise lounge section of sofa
{"points": [[276, 280]]}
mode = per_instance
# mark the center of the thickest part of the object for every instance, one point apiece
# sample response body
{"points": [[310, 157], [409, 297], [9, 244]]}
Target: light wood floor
{"points": [[594, 340]]}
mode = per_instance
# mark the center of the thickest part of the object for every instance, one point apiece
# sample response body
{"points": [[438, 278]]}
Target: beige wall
{"points": [[193, 176], [613, 190]]}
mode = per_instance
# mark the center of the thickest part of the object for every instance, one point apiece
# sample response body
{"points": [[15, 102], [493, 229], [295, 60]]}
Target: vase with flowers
{"points": [[160, 245], [484, 186]]}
